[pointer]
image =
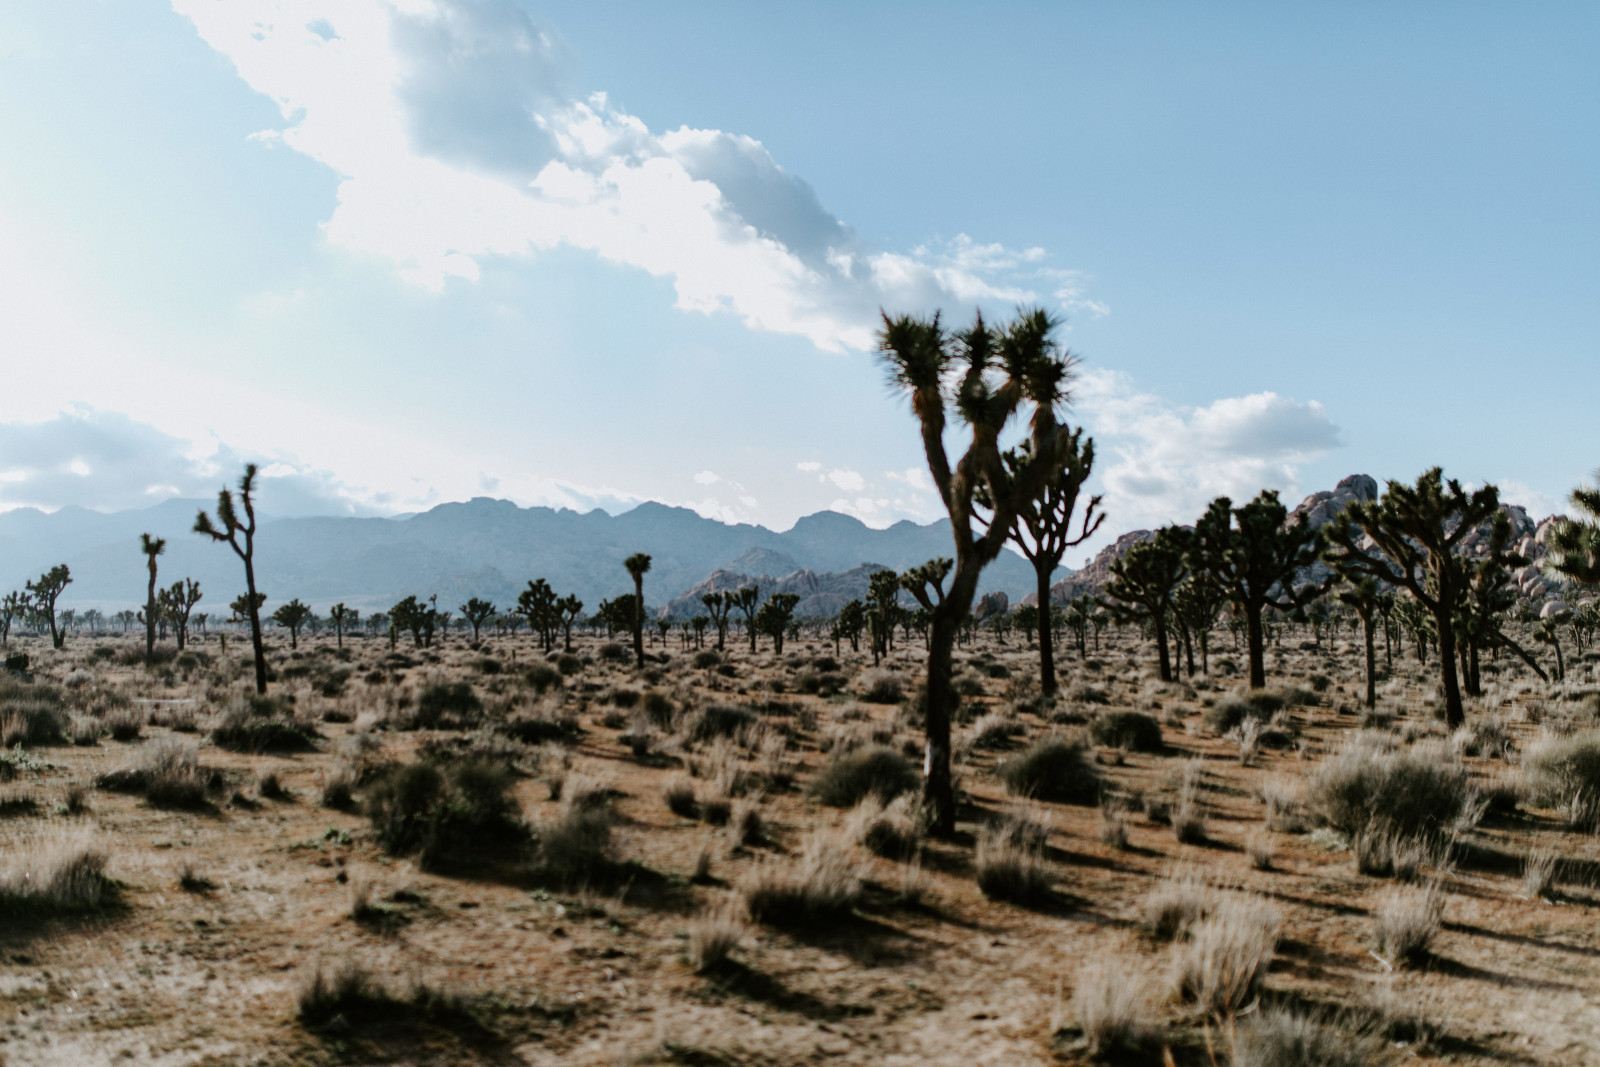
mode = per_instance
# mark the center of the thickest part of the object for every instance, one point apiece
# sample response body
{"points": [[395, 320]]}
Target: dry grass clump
{"points": [[124, 724], [681, 800], [32, 721], [1052, 768], [1406, 921], [1219, 967], [1010, 869], [889, 830], [1110, 1008], [715, 721], [1367, 787], [1539, 873], [713, 935], [823, 883], [338, 787], [167, 772], [261, 724], [1258, 846], [1277, 1038], [880, 687], [84, 731], [994, 730], [745, 826], [1564, 773], [352, 993], [577, 844], [875, 770], [1282, 796], [450, 814], [1114, 826], [1174, 904], [60, 872]]}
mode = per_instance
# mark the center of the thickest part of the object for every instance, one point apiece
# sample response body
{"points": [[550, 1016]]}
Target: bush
{"points": [[1011, 870], [1277, 1038], [61, 873], [1226, 955], [350, 996], [1564, 773], [1364, 788], [612, 652], [681, 800], [717, 720], [578, 843], [32, 722], [1110, 1010], [874, 770], [452, 814], [254, 725], [883, 688], [542, 725], [1406, 921], [542, 676], [1052, 768], [884, 829], [823, 884], [1175, 904], [446, 706], [167, 773], [713, 934], [1132, 730], [568, 664], [995, 730], [707, 659]]}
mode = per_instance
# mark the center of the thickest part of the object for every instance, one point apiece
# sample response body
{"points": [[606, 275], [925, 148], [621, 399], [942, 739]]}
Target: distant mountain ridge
{"points": [[481, 547]]}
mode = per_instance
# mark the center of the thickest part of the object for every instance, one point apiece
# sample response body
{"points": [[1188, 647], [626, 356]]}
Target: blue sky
{"points": [[404, 253]]}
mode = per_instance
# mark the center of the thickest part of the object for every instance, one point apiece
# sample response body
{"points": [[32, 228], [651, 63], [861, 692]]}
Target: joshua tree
{"points": [[15, 606], [241, 536], [341, 617], [410, 615], [1575, 543], [1252, 555], [883, 605], [151, 547], [747, 600], [45, 591], [983, 378], [1362, 597], [852, 620], [292, 615], [567, 610], [476, 611], [1416, 531], [1043, 530], [1548, 632], [637, 564], [1145, 583], [177, 603], [539, 605], [719, 605], [1195, 608], [699, 623], [773, 618]]}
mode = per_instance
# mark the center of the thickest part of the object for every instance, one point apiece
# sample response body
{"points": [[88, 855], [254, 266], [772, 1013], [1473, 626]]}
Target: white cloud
{"points": [[457, 136], [707, 478], [1159, 462], [808, 466], [848, 480]]}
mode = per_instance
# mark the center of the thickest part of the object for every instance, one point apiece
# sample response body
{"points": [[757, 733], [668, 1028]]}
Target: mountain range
{"points": [[482, 547]]}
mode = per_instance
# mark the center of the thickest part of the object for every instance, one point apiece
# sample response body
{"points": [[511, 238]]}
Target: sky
{"points": [[584, 255]]}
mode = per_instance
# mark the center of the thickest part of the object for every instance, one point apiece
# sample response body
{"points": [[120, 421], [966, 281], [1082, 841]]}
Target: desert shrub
{"points": [[1088, 694], [997, 670], [706, 659], [568, 664], [1132, 730], [1227, 714], [716, 720], [1364, 788], [681, 800], [884, 829], [1564, 773], [717, 811], [1227, 953], [1110, 1009], [541, 726], [59, 873], [349, 996], [542, 676], [450, 814], [1406, 921], [624, 698], [745, 827], [823, 884], [995, 730], [1175, 904], [713, 934], [1258, 846], [32, 722], [657, 708], [1278, 1038], [338, 787], [883, 688], [873, 770], [613, 652], [446, 706], [167, 772], [577, 843], [84, 731], [124, 725], [248, 725], [825, 664], [1011, 870], [1052, 768]]}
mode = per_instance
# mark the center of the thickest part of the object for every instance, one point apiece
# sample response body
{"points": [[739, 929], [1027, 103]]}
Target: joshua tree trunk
{"points": [[1047, 651], [1372, 685], [1258, 653], [150, 616], [1161, 647], [1454, 713], [255, 628]]}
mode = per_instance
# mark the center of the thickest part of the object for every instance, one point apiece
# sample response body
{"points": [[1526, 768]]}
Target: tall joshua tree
{"points": [[45, 591], [1253, 555], [1145, 584], [342, 616], [241, 537], [1043, 530], [151, 547], [475, 611], [1416, 531], [1575, 543], [981, 377], [637, 564]]}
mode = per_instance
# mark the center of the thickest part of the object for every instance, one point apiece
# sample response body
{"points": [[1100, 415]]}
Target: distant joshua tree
{"points": [[45, 591], [341, 617], [15, 606], [1416, 531], [719, 605], [637, 564], [176, 604], [241, 537], [477, 612], [568, 609], [1043, 529], [774, 617], [292, 616], [1145, 584], [748, 601], [151, 547], [983, 378], [1362, 597], [1252, 554], [1575, 543]]}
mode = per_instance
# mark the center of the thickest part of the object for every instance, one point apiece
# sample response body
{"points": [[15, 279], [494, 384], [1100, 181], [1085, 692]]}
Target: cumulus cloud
{"points": [[1159, 462], [458, 135], [848, 480], [808, 466], [107, 461]]}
